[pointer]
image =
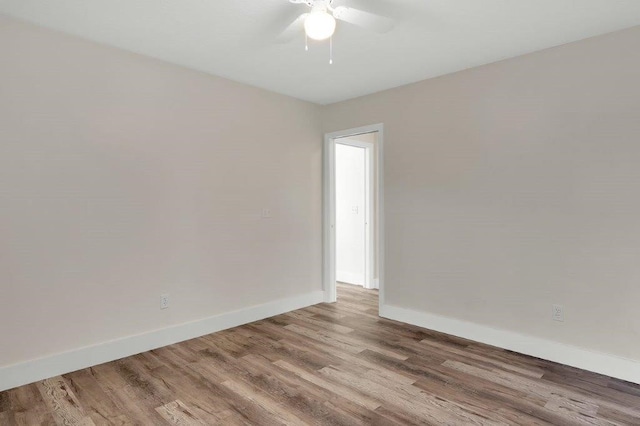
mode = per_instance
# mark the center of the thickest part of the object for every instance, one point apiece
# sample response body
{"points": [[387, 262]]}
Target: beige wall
{"points": [[507, 188], [514, 186], [123, 177]]}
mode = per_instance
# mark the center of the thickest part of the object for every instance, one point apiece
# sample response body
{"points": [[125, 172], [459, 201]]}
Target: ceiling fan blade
{"points": [[292, 30], [369, 21]]}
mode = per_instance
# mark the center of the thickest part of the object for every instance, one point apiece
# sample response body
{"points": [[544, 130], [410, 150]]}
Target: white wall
{"points": [[350, 214], [514, 186], [123, 177]]}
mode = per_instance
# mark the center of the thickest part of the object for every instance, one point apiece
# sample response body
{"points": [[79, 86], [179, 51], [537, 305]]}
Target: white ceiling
{"points": [[236, 38]]}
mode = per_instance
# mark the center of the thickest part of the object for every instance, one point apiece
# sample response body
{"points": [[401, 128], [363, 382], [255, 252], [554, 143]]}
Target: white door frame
{"points": [[329, 214]]}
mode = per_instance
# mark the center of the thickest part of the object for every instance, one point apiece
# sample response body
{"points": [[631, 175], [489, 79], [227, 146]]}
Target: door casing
{"points": [[329, 209]]}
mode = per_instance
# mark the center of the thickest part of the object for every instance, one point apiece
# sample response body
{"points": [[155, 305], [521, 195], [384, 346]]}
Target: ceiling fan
{"points": [[320, 22]]}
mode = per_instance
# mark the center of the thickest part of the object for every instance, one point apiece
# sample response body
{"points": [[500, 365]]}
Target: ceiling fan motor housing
{"points": [[320, 23]]}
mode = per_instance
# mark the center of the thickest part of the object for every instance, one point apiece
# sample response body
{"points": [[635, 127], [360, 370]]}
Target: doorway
{"points": [[353, 209], [353, 214]]}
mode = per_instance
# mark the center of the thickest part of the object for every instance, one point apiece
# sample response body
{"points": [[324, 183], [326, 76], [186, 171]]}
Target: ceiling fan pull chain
{"points": [[331, 51], [306, 42]]}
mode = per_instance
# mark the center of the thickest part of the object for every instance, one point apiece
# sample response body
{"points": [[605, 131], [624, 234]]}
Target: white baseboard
{"points": [[350, 278], [598, 362], [39, 369]]}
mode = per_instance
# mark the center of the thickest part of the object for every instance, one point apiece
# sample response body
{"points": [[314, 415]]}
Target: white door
{"points": [[350, 214]]}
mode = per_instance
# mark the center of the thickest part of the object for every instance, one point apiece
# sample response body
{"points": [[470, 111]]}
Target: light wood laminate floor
{"points": [[337, 364]]}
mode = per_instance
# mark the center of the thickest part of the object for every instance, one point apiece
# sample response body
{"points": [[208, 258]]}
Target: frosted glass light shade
{"points": [[319, 25]]}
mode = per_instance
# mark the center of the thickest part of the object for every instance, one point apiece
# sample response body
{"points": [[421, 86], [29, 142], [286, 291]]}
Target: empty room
{"points": [[319, 212]]}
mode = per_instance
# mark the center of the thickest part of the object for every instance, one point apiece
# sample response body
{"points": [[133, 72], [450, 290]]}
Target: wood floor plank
{"points": [[311, 322], [306, 402], [177, 413], [398, 398], [95, 401], [308, 396], [193, 392], [350, 394], [453, 352], [125, 395], [64, 404], [28, 407], [329, 364], [277, 412], [564, 402]]}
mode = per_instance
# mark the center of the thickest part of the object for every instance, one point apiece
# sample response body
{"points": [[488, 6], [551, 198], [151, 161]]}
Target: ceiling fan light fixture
{"points": [[319, 25]]}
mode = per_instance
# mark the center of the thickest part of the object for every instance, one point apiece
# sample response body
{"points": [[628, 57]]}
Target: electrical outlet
{"points": [[557, 313], [266, 213], [164, 301]]}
